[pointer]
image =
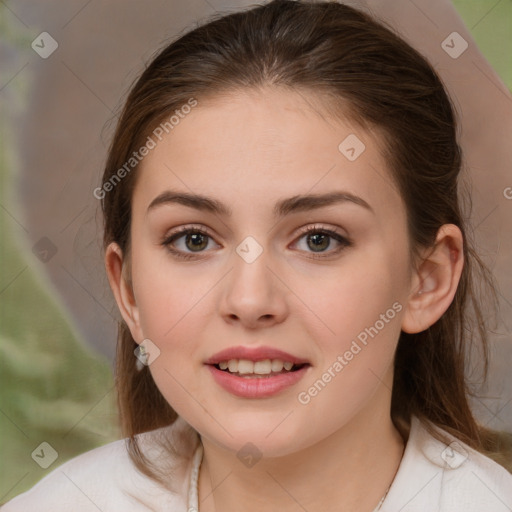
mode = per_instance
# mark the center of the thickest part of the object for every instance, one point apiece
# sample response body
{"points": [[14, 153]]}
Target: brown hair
{"points": [[370, 75]]}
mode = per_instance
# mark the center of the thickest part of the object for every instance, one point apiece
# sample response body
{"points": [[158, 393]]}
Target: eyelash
{"points": [[167, 241]]}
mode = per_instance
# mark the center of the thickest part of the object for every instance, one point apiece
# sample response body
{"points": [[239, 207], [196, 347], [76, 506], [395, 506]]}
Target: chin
{"points": [[256, 438]]}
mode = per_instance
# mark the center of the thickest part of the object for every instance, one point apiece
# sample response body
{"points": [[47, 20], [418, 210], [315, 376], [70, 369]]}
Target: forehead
{"points": [[251, 148]]}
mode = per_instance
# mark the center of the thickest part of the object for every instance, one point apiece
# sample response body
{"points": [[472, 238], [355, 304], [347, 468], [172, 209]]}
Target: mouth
{"points": [[256, 372]]}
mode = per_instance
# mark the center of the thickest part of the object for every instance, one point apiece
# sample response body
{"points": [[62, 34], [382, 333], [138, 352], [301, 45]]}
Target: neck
{"points": [[350, 470]]}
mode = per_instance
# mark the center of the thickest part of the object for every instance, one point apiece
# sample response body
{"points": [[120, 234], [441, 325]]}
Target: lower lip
{"points": [[254, 387]]}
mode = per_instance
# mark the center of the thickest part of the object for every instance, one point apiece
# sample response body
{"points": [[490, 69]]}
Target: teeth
{"points": [[277, 365], [265, 367], [245, 366]]}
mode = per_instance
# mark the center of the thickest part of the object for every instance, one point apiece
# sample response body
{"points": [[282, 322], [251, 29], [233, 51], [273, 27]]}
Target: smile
{"points": [[256, 385], [257, 369], [256, 372]]}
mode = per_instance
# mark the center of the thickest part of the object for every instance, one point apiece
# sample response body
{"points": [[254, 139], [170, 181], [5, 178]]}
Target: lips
{"points": [[250, 385]]}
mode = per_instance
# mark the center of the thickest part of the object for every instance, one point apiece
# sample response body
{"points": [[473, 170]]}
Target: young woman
{"points": [[285, 243]]}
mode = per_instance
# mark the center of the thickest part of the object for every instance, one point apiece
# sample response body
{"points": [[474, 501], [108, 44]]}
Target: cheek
{"points": [[356, 339], [167, 295], [353, 298], [171, 304]]}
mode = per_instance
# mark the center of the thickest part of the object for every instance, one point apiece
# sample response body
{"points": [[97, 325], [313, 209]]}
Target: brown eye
{"points": [[196, 241], [319, 240], [191, 240]]}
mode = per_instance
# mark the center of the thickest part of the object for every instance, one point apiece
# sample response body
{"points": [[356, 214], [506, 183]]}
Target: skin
{"points": [[249, 150]]}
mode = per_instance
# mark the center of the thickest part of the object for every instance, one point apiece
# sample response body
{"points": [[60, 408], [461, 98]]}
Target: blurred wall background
{"points": [[65, 70]]}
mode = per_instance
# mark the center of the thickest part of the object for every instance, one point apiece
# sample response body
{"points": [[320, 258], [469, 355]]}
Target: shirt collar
{"points": [[418, 482]]}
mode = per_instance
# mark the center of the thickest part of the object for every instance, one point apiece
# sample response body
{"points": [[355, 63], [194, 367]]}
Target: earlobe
{"points": [[115, 265], [435, 282]]}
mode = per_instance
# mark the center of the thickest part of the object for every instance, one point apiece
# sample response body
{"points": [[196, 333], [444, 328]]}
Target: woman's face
{"points": [[270, 167]]}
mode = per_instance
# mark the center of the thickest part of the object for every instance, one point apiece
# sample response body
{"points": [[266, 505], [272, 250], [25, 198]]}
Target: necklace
{"points": [[382, 500]]}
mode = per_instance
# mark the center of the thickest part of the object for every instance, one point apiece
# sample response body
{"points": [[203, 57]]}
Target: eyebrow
{"points": [[298, 203]]}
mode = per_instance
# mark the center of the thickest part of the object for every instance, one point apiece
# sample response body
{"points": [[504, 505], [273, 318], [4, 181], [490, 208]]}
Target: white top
{"points": [[432, 476]]}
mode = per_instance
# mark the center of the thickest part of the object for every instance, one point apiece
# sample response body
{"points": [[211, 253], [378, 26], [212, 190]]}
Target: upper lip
{"points": [[254, 354]]}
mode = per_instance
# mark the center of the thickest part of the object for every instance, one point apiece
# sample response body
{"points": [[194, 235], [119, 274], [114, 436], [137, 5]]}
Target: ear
{"points": [[116, 268], [435, 281]]}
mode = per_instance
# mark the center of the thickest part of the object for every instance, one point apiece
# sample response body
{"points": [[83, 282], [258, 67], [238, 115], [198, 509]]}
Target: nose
{"points": [[253, 295]]}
